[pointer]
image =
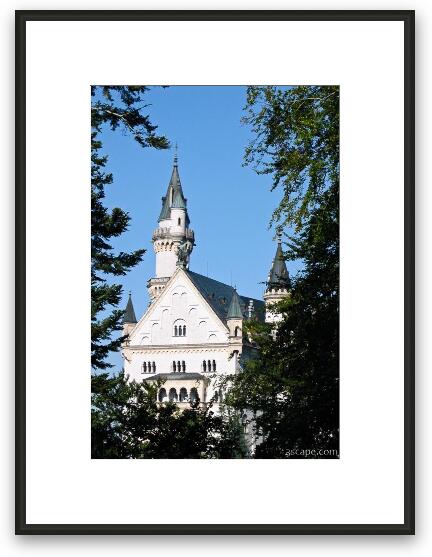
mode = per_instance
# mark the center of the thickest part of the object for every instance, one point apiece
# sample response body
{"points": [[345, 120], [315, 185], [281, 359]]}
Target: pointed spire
{"points": [[174, 188], [234, 310], [278, 273], [129, 316], [175, 177]]}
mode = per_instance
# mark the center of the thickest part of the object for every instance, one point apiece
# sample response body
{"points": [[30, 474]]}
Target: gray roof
{"points": [[165, 211], [219, 296], [178, 201], [129, 316], [175, 193], [175, 376], [234, 310], [278, 273]]}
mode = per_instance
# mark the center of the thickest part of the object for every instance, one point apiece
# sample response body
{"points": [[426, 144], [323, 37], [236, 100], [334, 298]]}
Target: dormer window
{"points": [[179, 222]]}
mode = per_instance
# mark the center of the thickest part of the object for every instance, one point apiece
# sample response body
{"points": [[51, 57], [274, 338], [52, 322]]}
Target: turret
{"points": [[277, 286], [235, 318], [173, 240], [129, 318]]}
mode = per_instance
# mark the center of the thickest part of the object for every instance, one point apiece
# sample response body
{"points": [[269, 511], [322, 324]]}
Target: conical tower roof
{"points": [[234, 310], [174, 197], [175, 176], [129, 316], [278, 275], [179, 201]]}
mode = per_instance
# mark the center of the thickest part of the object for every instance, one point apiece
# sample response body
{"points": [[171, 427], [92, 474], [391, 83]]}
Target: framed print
{"points": [[215, 272]]}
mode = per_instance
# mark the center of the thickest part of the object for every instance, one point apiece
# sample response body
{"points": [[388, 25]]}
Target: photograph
{"points": [[223, 232], [214, 272]]}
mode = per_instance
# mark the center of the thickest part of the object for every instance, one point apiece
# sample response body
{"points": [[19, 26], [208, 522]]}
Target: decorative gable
{"points": [[181, 315]]}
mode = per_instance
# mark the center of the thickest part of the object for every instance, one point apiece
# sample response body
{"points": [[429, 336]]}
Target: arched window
{"points": [[162, 395], [154, 367], [149, 367], [236, 331], [204, 366], [174, 366], [183, 395], [183, 366], [209, 365], [179, 221], [178, 366], [216, 396], [179, 328], [144, 367], [194, 395], [214, 365], [173, 395]]}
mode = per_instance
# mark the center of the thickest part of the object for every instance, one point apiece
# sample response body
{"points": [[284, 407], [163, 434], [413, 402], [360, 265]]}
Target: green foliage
{"points": [[293, 385], [296, 140], [116, 107], [231, 441], [127, 422]]}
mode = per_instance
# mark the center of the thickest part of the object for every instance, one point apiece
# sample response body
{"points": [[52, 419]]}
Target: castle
{"points": [[192, 331]]}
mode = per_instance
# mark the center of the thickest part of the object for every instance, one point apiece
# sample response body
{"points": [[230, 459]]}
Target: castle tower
{"points": [[277, 286], [173, 240], [129, 319], [235, 319]]}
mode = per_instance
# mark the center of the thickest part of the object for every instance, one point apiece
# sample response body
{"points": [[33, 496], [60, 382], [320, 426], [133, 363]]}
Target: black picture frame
{"points": [[22, 17]]}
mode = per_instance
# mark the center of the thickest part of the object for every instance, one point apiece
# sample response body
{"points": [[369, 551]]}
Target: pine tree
{"points": [[115, 107]]}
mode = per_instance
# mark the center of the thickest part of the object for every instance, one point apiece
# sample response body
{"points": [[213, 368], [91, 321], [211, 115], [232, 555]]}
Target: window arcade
{"points": [[148, 367], [179, 329]]}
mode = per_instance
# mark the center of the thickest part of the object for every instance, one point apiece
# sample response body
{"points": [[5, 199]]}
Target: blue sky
{"points": [[229, 205]]}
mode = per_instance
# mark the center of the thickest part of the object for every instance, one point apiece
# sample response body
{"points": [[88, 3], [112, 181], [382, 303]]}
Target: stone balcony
{"points": [[157, 280], [162, 233]]}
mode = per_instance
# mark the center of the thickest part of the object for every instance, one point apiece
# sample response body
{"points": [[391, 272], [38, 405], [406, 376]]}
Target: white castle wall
{"points": [[153, 339], [165, 263]]}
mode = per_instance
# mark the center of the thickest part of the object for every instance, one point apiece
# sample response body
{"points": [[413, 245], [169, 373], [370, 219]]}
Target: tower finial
{"points": [[279, 237], [175, 154]]}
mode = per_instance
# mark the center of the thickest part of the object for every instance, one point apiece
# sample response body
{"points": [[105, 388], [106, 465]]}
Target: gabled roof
{"points": [[219, 296], [216, 294], [278, 273], [129, 316]]}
